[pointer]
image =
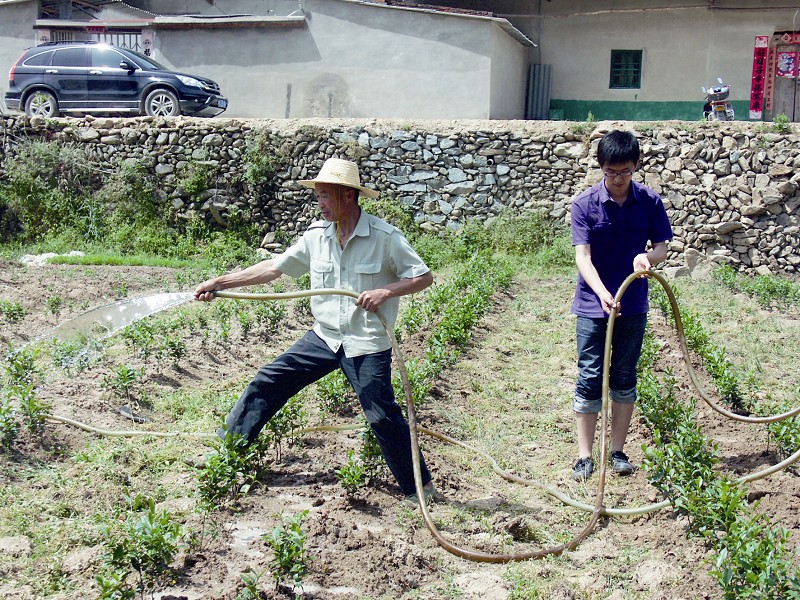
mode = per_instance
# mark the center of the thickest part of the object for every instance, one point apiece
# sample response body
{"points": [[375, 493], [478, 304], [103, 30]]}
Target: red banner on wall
{"points": [[759, 81]]}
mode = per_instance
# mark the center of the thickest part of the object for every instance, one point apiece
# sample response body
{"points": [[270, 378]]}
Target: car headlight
{"points": [[190, 81]]}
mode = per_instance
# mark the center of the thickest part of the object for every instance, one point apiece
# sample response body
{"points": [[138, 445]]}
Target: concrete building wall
{"points": [[508, 71], [682, 50], [359, 60], [523, 14], [686, 45], [16, 34]]}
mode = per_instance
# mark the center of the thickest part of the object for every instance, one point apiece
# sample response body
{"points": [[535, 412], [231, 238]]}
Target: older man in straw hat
{"points": [[348, 249]]}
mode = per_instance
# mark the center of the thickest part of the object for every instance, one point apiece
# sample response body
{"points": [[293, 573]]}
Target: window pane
{"points": [[70, 57], [626, 69], [106, 57], [39, 60]]}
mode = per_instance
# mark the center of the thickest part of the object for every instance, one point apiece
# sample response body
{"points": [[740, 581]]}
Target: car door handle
{"points": [[51, 70], [95, 72]]}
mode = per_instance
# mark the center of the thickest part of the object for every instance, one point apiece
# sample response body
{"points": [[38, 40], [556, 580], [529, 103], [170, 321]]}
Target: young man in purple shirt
{"points": [[612, 223]]}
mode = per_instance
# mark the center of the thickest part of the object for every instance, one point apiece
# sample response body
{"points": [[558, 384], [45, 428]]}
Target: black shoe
{"points": [[620, 463], [583, 469]]}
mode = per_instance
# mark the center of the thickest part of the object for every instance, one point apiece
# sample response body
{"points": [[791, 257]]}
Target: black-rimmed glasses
{"points": [[613, 174]]}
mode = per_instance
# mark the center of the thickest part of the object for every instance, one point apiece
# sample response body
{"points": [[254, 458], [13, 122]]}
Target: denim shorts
{"points": [[626, 346]]}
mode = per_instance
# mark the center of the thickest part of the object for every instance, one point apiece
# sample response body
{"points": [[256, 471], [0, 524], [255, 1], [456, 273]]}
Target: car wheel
{"points": [[162, 103], [41, 103]]}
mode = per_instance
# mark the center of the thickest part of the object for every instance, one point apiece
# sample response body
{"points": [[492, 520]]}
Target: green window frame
{"points": [[626, 69]]}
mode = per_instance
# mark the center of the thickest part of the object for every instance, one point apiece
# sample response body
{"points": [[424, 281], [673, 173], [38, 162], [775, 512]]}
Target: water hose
{"points": [[473, 555], [690, 369], [508, 476], [126, 433], [596, 510]]}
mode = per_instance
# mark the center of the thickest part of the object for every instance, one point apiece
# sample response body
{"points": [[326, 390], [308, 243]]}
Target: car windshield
{"points": [[148, 62]]}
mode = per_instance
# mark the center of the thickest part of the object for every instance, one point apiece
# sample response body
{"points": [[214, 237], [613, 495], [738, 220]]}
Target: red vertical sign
{"points": [[758, 84]]}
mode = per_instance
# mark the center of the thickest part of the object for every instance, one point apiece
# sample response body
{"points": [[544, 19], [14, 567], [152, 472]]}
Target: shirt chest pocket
{"points": [[601, 233], [367, 272], [322, 275]]}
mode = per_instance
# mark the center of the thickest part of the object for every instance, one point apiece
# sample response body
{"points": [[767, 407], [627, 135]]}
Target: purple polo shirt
{"points": [[616, 234]]}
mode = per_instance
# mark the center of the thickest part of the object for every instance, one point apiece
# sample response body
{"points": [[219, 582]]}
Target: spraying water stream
{"points": [[104, 321], [93, 326]]}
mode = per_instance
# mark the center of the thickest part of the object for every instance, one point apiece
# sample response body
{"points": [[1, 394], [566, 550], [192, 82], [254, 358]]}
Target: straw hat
{"points": [[340, 172]]}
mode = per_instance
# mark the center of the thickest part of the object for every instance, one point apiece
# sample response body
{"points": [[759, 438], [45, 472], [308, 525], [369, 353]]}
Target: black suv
{"points": [[91, 77]]}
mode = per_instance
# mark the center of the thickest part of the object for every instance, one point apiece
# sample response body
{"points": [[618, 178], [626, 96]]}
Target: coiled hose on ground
{"points": [[596, 511]]}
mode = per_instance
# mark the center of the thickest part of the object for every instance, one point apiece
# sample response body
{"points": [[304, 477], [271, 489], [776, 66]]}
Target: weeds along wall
{"points": [[731, 189]]}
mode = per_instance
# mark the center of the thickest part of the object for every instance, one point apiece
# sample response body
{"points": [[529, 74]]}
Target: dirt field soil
{"points": [[366, 546]]}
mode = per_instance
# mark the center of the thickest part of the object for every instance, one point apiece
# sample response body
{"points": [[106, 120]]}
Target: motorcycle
{"points": [[717, 107]]}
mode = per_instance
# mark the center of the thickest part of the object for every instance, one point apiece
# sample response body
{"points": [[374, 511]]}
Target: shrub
{"points": [[9, 427], [353, 474], [334, 393], [269, 315], [55, 304], [140, 335], [144, 541], [12, 312], [288, 543], [283, 425], [174, 348], [120, 381], [263, 157], [22, 375], [781, 124], [196, 177], [48, 190], [393, 212], [752, 556], [522, 235], [72, 356], [229, 471], [128, 192]]}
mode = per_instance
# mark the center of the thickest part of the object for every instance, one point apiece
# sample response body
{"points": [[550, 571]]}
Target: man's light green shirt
{"points": [[376, 254]]}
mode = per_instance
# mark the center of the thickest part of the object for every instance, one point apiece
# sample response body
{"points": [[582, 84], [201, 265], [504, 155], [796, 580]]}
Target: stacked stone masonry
{"points": [[731, 190]]}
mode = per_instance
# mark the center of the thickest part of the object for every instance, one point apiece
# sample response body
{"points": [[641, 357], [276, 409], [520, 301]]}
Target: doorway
{"points": [[786, 93]]}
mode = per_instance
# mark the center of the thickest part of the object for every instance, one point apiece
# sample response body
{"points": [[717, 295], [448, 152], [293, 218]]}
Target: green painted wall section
{"points": [[578, 110]]}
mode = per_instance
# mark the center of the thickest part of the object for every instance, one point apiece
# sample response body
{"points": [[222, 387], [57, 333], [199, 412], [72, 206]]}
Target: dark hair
{"points": [[618, 147]]}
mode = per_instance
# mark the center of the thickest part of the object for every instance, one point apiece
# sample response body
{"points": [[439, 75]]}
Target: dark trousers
{"points": [[307, 361]]}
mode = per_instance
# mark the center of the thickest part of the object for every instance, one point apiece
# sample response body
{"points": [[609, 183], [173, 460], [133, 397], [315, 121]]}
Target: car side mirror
{"points": [[124, 64]]}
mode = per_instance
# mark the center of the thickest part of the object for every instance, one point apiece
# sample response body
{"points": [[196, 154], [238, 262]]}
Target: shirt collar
{"points": [[330, 229], [633, 194], [362, 226]]}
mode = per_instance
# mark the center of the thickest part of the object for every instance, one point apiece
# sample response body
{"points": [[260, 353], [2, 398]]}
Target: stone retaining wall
{"points": [[731, 190]]}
